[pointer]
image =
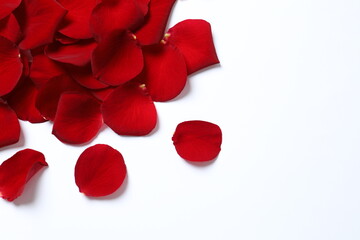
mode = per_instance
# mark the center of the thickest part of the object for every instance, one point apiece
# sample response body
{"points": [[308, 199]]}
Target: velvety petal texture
{"points": [[100, 171], [9, 126], [194, 40], [10, 29], [7, 6], [84, 76], [16, 171], [197, 141], [78, 118], [129, 110]]}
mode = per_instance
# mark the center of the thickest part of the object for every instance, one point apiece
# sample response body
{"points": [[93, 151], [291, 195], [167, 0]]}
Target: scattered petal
{"points": [[197, 141], [9, 126], [10, 29], [101, 94], [7, 6], [100, 171], [84, 76], [16, 171]]}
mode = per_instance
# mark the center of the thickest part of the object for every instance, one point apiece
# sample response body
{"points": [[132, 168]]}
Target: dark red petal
{"points": [[129, 110], [17, 171], [194, 39], [113, 15], [10, 29], [39, 20], [164, 72], [9, 126], [50, 92], [84, 76], [100, 171], [76, 22], [7, 6], [117, 59], [22, 101], [78, 118], [152, 31], [102, 94], [78, 54], [61, 38], [197, 141], [10, 66]]}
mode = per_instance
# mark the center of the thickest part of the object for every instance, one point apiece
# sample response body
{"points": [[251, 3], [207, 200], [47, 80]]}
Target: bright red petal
{"points": [[78, 118], [10, 29], [129, 110], [7, 6], [39, 20], [197, 141], [100, 171], [117, 59], [102, 94], [22, 101], [164, 72], [84, 76], [78, 54], [9, 125], [194, 39], [76, 22], [10, 66], [17, 171], [152, 31]]}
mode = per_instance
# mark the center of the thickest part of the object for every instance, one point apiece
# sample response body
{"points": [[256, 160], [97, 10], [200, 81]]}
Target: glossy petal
{"points": [[39, 20], [195, 42], [10, 66], [197, 141], [100, 171], [84, 76], [78, 118], [78, 54], [129, 110], [164, 72], [152, 30], [76, 22], [7, 6], [16, 171], [50, 92], [22, 101], [10, 29], [9, 126], [117, 59]]}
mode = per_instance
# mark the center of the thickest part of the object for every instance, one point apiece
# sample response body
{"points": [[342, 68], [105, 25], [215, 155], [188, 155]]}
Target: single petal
{"points": [[49, 94], [197, 141], [7, 6], [78, 54], [16, 171], [116, 15], [195, 42], [84, 76], [164, 72], [10, 29], [9, 126], [117, 59], [100, 171], [10, 66], [101, 94], [76, 22], [152, 30], [39, 20], [129, 110]]}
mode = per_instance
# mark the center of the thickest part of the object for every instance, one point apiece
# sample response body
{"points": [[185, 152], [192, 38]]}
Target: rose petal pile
{"points": [[81, 64]]}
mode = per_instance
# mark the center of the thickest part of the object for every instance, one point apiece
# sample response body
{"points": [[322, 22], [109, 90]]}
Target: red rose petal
{"points": [[50, 92], [78, 118], [22, 101], [116, 15], [10, 29], [197, 141], [39, 20], [76, 22], [102, 94], [9, 125], [152, 30], [100, 171], [7, 6], [117, 59], [194, 39], [78, 54], [9, 59], [164, 72], [129, 110], [84, 76], [61, 38], [17, 171]]}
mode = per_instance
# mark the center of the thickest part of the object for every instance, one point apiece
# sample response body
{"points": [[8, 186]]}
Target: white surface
{"points": [[287, 99]]}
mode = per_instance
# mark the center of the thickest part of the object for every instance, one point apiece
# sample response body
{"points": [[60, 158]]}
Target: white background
{"points": [[287, 99]]}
